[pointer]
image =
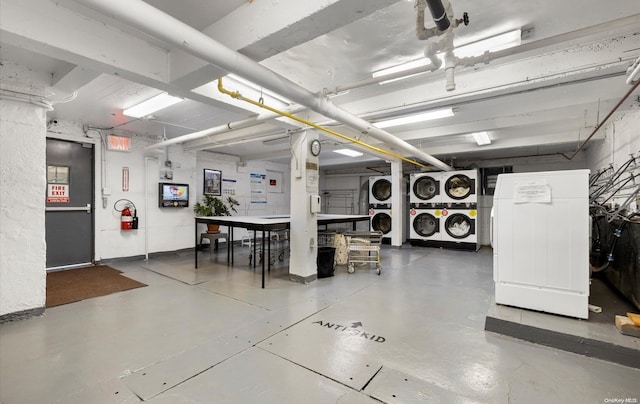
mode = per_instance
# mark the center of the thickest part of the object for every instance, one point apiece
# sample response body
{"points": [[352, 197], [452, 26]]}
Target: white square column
{"points": [[397, 204], [304, 224]]}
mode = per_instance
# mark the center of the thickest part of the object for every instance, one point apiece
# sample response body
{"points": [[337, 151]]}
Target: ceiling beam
{"points": [[64, 34], [263, 29]]}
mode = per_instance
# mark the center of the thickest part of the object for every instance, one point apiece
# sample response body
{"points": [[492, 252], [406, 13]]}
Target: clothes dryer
{"points": [[460, 226], [424, 224], [424, 188], [380, 192], [459, 187], [381, 221]]}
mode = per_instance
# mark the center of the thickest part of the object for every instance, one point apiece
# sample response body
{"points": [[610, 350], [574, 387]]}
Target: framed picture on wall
{"points": [[212, 182]]}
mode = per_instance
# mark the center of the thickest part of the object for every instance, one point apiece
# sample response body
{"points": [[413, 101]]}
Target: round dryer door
{"points": [[458, 186], [381, 222], [381, 190], [425, 188], [425, 224], [458, 226]]}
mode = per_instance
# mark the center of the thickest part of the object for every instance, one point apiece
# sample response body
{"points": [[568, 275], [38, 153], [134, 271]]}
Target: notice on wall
{"points": [[125, 179], [57, 193], [312, 177], [228, 187], [532, 192], [274, 182], [258, 188]]}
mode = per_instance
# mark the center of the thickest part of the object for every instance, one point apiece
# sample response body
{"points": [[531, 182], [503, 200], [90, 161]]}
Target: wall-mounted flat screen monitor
{"points": [[173, 195]]}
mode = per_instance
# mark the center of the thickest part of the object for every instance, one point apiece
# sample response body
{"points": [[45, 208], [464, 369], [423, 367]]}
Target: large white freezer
{"points": [[540, 238]]}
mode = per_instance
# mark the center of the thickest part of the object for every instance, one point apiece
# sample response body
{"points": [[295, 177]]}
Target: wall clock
{"points": [[315, 147]]}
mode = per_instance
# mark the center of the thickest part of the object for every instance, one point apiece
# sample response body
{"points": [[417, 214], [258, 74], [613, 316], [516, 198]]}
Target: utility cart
{"points": [[278, 244], [363, 247]]}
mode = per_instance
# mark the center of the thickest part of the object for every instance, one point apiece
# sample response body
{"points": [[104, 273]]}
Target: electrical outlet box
{"points": [[314, 203]]}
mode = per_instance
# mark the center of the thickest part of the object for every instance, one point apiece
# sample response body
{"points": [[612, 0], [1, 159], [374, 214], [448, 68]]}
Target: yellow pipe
{"points": [[237, 95]]}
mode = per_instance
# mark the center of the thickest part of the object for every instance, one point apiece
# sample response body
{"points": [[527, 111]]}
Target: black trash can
{"points": [[326, 261]]}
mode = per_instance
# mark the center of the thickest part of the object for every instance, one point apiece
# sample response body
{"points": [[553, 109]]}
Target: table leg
{"points": [[353, 226], [269, 250], [255, 258], [195, 249], [263, 258], [231, 228]]}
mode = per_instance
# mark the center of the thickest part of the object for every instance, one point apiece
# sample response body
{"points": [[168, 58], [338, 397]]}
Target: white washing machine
{"points": [[424, 224], [459, 187], [381, 221], [460, 226], [425, 188], [380, 191]]}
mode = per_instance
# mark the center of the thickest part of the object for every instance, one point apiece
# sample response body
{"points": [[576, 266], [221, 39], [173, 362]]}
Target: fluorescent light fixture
{"points": [[349, 152], [400, 68], [255, 92], [482, 138], [492, 44], [153, 104], [425, 116], [276, 142]]}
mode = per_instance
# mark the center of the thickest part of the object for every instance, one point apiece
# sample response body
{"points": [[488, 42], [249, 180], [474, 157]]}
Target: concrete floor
{"points": [[413, 334]]}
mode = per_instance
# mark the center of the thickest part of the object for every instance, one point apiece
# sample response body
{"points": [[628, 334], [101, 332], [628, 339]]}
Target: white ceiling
{"points": [[544, 97]]}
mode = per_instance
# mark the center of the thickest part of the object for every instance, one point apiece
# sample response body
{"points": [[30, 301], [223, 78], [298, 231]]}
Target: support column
{"points": [[304, 224], [397, 204], [22, 204]]}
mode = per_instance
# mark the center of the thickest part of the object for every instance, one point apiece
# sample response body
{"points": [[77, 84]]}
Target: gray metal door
{"points": [[69, 211]]}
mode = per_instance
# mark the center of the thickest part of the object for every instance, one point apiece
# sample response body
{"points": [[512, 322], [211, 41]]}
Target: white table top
{"points": [[277, 219]]}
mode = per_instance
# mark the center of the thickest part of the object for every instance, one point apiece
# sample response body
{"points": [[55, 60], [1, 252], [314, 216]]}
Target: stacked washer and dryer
{"points": [[380, 205], [444, 209], [425, 208]]}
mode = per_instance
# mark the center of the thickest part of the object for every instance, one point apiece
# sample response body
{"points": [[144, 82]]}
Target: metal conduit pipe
{"points": [[237, 95], [439, 14], [156, 23], [422, 32]]}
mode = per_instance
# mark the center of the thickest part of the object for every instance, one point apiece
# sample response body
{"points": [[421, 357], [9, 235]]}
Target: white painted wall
{"points": [[277, 203], [22, 207], [622, 138], [162, 229]]}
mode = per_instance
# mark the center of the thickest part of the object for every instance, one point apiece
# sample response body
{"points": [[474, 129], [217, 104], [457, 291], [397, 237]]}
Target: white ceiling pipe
{"points": [[162, 26], [634, 72], [216, 130]]}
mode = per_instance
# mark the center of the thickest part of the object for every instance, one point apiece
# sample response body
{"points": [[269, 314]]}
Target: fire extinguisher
{"points": [[126, 219], [128, 215]]}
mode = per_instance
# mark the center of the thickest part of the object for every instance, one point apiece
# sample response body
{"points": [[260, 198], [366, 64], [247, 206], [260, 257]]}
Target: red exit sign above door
{"points": [[118, 143]]}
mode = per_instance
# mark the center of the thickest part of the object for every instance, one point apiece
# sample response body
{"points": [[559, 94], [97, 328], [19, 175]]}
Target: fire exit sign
{"points": [[118, 143]]}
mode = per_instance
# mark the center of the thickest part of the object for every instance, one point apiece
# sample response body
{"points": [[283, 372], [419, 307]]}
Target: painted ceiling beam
{"points": [[66, 35], [266, 28]]}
